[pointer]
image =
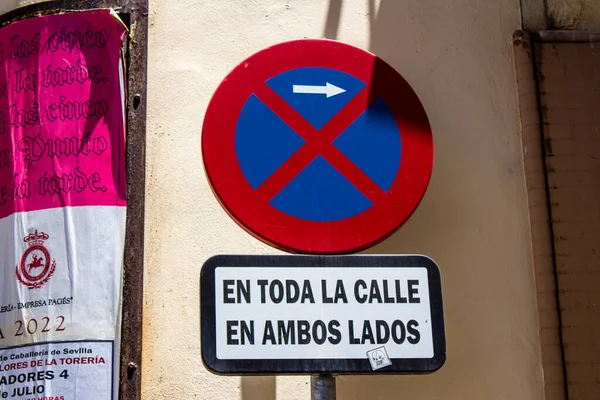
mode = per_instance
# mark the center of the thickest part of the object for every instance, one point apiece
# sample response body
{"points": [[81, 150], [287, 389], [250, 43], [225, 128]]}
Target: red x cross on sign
{"points": [[318, 142], [252, 207]]}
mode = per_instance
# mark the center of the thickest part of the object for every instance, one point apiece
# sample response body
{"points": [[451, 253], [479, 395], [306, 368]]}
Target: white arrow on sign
{"points": [[329, 89]]}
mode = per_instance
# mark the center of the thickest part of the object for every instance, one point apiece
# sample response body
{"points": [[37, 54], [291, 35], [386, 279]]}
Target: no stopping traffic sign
{"points": [[315, 146]]}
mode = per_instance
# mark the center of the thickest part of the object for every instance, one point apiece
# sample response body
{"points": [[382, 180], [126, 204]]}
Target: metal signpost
{"points": [[319, 147], [322, 387]]}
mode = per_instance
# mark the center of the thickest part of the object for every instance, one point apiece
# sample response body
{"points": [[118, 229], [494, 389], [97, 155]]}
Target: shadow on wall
{"points": [[394, 33], [390, 27], [393, 30], [258, 388], [393, 26], [332, 22]]}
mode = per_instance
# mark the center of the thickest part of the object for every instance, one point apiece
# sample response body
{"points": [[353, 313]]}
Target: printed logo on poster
{"points": [[36, 266]]}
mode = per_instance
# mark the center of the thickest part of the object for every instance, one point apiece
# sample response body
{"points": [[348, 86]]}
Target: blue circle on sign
{"points": [[320, 193]]}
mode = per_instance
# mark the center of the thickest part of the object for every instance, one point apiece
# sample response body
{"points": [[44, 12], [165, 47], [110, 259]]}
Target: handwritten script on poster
{"points": [[62, 205], [61, 114]]}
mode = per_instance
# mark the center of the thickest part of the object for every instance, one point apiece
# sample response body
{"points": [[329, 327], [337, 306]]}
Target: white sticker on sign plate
{"points": [[322, 313]]}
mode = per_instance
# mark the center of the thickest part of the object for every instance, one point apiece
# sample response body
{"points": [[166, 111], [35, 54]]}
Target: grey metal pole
{"points": [[322, 387]]}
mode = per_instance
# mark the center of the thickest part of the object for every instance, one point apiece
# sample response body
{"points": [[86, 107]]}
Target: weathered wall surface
{"points": [[473, 220], [561, 14], [569, 76], [574, 14], [540, 221]]}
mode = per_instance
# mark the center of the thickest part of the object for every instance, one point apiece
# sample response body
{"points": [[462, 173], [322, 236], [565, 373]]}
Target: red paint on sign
{"points": [[251, 209]]}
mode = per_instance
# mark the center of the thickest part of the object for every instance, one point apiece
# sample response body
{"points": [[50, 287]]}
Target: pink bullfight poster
{"points": [[62, 206]]}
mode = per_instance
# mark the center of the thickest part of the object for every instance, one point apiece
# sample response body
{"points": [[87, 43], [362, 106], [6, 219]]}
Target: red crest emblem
{"points": [[36, 267]]}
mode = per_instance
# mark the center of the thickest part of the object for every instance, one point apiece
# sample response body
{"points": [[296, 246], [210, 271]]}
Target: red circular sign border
{"points": [[282, 230]]}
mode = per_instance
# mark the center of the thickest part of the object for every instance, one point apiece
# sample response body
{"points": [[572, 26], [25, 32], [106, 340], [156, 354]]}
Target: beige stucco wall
{"points": [[473, 220], [457, 55]]}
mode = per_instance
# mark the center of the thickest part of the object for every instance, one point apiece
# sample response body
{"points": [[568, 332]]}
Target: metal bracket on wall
{"points": [[134, 13], [564, 36]]}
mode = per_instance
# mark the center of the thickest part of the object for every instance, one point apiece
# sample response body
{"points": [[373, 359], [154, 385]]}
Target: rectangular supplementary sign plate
{"points": [[314, 314]]}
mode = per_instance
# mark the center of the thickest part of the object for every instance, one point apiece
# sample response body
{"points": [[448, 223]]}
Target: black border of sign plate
{"points": [[314, 366]]}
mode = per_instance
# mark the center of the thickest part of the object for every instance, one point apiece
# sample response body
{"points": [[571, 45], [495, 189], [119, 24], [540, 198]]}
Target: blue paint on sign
{"points": [[372, 142], [263, 142], [320, 193]]}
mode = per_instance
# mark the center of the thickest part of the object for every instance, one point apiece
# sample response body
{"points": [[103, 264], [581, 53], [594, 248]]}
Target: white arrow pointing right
{"points": [[329, 90]]}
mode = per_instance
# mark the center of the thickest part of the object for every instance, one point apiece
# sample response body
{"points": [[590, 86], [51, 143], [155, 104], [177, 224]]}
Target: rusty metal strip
{"points": [[134, 13], [563, 36], [133, 284]]}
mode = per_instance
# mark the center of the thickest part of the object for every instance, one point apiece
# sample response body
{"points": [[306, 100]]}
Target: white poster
{"points": [[58, 371], [62, 206]]}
